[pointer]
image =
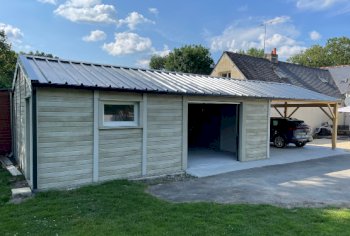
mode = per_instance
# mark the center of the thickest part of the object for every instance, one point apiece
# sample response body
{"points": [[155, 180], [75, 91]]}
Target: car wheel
{"points": [[279, 141], [300, 144]]}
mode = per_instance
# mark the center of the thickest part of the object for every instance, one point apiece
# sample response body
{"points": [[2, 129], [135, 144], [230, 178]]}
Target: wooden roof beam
{"points": [[302, 105]]}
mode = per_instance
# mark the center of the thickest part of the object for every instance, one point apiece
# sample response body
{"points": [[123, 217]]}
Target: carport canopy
{"points": [[330, 108]]}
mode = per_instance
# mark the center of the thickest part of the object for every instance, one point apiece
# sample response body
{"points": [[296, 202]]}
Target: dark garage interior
{"points": [[213, 129]]}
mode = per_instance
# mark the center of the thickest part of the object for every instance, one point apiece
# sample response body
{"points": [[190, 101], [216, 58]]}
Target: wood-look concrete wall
{"points": [[21, 103], [164, 139], [120, 149], [254, 143], [74, 148], [65, 137]]}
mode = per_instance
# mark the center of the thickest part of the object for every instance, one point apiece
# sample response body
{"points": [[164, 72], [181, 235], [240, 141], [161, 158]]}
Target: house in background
{"points": [[270, 69], [77, 123]]}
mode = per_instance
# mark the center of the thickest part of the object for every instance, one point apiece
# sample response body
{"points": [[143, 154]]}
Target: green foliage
{"points": [[124, 208], [254, 52], [335, 52], [40, 54], [338, 51], [5, 189], [157, 62], [8, 60], [188, 59]]}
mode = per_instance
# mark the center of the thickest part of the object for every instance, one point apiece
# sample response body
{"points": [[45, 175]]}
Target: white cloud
{"points": [[11, 31], [91, 11], [281, 34], [53, 2], [162, 53], [134, 19], [278, 20], [127, 43], [96, 35], [153, 10], [287, 51], [143, 63], [317, 5], [314, 35]]}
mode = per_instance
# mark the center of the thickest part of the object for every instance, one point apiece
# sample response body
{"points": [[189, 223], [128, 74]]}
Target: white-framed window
{"points": [[225, 74], [120, 114]]}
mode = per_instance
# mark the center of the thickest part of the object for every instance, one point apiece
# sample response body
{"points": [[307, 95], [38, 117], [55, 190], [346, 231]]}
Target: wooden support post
{"points": [[285, 110], [335, 126]]}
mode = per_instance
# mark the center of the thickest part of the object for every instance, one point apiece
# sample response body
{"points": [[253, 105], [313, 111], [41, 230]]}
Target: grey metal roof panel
{"points": [[314, 79], [57, 72], [341, 76]]}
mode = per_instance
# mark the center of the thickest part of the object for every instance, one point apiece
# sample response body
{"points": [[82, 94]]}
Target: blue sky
{"points": [[129, 32]]}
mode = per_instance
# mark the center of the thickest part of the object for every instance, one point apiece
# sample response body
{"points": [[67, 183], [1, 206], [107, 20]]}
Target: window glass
{"points": [[226, 74], [118, 113]]}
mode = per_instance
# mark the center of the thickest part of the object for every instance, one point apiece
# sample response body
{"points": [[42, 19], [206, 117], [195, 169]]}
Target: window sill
{"points": [[119, 127]]}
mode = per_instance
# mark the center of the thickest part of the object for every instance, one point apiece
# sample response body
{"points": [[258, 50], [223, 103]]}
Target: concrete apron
{"points": [[314, 183], [209, 163]]}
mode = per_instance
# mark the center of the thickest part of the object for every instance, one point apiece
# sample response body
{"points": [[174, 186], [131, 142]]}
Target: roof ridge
{"points": [[285, 62], [327, 67]]}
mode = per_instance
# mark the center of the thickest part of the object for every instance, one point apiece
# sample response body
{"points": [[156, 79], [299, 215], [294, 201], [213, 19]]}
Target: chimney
{"points": [[273, 57]]}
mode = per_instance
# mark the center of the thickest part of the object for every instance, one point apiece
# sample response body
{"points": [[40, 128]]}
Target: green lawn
{"points": [[123, 208], [5, 189]]}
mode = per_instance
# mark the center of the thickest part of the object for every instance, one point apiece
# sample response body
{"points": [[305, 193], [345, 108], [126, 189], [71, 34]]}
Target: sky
{"points": [[129, 32]]}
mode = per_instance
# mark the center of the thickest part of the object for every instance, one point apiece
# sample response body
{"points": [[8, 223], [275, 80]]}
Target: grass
{"points": [[5, 188], [123, 208]]}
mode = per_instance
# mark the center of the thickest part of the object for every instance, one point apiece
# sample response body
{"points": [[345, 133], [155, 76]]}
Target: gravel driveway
{"points": [[314, 183]]}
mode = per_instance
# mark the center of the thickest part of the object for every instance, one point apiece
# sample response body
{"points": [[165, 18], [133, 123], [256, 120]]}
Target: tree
{"points": [[8, 59], [336, 52], [188, 59], [254, 52], [38, 53], [157, 62]]}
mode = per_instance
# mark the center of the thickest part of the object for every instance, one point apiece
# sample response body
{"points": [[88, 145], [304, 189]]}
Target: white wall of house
{"points": [[312, 116]]}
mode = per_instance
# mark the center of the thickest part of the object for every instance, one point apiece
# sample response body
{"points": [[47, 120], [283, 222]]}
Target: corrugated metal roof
{"points": [[58, 72]]}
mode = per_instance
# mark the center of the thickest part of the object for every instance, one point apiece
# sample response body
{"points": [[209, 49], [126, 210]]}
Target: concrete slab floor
{"points": [[205, 162], [313, 183]]}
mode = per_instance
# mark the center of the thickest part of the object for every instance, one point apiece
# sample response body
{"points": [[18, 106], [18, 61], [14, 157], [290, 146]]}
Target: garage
{"points": [[107, 122], [212, 134]]}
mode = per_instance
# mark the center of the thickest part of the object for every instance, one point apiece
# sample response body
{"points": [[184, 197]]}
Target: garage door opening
{"points": [[212, 134]]}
